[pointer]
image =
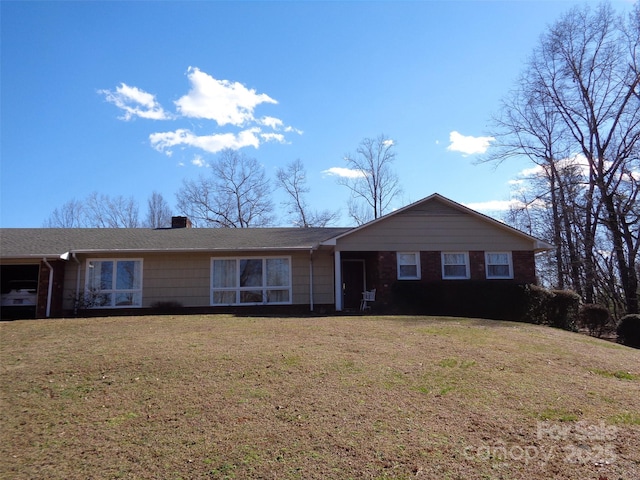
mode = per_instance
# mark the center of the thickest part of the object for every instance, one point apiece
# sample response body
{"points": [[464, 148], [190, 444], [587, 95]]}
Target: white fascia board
{"points": [[195, 250]]}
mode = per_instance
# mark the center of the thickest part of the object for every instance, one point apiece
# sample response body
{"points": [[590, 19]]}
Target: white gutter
{"points": [[89, 251], [50, 289]]}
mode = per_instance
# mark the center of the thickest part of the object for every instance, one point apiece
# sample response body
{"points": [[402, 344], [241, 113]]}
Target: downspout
{"points": [[50, 288], [337, 273], [76, 298]]}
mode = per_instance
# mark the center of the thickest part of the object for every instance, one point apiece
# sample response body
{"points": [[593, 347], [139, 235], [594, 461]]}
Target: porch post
{"points": [[337, 274]]}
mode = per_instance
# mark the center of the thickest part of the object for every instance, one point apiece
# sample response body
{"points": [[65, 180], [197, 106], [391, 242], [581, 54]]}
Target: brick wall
{"points": [[476, 266], [385, 272], [56, 292], [430, 266], [524, 267]]}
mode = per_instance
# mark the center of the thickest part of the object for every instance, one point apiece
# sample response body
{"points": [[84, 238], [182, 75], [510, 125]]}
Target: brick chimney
{"points": [[180, 222]]}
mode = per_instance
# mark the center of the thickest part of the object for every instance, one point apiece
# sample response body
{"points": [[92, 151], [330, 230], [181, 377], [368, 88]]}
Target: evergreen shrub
{"points": [[563, 309], [595, 318], [629, 330], [493, 300]]}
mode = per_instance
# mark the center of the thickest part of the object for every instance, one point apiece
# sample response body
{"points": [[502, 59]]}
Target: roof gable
{"points": [[428, 210]]}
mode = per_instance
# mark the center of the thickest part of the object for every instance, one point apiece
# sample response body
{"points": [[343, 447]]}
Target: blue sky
{"points": [[124, 98]]}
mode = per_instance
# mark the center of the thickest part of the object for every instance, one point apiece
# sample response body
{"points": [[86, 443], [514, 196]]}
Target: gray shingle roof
{"points": [[51, 242]]}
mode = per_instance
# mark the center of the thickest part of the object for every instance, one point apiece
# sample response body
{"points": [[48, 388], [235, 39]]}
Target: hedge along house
{"points": [[265, 270]]}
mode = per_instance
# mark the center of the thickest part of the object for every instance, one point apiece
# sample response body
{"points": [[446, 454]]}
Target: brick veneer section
{"points": [[477, 266], [56, 292], [524, 267], [431, 266], [524, 270]]}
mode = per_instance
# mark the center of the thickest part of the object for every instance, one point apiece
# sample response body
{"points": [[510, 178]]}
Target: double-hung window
{"points": [[114, 283], [455, 265], [408, 265], [250, 281], [498, 264]]}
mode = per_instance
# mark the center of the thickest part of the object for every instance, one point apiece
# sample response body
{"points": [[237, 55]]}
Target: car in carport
{"points": [[22, 293]]}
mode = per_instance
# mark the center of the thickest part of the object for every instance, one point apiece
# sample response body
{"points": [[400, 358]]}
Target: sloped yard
{"points": [[188, 397]]}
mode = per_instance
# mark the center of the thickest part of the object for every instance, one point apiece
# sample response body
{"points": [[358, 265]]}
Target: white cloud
{"points": [[577, 161], [468, 145], [532, 172], [164, 141], [135, 103], [294, 130], [273, 137], [228, 103], [198, 161], [271, 122], [494, 205], [344, 172]]}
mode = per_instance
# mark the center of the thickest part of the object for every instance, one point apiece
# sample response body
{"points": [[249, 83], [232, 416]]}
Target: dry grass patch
{"points": [[186, 397]]}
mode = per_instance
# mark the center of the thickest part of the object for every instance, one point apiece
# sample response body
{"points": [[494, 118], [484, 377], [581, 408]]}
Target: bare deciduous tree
{"points": [[158, 213], [96, 211], [293, 180], [579, 97], [69, 215], [373, 192], [236, 195], [103, 211]]}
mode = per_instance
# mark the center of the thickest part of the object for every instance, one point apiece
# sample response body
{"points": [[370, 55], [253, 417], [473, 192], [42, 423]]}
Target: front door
{"points": [[353, 283]]}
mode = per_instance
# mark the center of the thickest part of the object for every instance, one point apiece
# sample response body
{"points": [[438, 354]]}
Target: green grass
{"points": [[197, 397], [620, 374], [626, 418]]}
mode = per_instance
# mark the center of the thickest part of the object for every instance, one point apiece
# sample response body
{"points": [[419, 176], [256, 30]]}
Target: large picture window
{"points": [[250, 281], [114, 283], [498, 264], [455, 265], [408, 266]]}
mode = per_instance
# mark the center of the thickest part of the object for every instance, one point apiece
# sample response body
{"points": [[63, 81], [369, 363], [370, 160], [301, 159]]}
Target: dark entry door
{"points": [[352, 283]]}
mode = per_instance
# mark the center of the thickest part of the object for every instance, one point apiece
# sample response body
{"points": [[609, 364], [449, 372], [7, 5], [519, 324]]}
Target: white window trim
{"points": [[239, 289], [498, 277], [417, 264], [467, 274], [113, 291]]}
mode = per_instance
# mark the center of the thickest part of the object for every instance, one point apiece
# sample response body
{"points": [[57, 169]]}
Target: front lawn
{"points": [[189, 397]]}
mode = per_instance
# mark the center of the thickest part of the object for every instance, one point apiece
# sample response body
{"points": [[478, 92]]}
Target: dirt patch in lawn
{"points": [[187, 397]]}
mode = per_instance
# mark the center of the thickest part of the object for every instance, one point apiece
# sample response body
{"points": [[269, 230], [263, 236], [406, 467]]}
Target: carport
{"points": [[15, 278], [48, 275]]}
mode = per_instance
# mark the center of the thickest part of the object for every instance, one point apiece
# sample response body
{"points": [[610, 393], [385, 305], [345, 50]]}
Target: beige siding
{"points": [[178, 278], [185, 278], [69, 287], [436, 227], [323, 281]]}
